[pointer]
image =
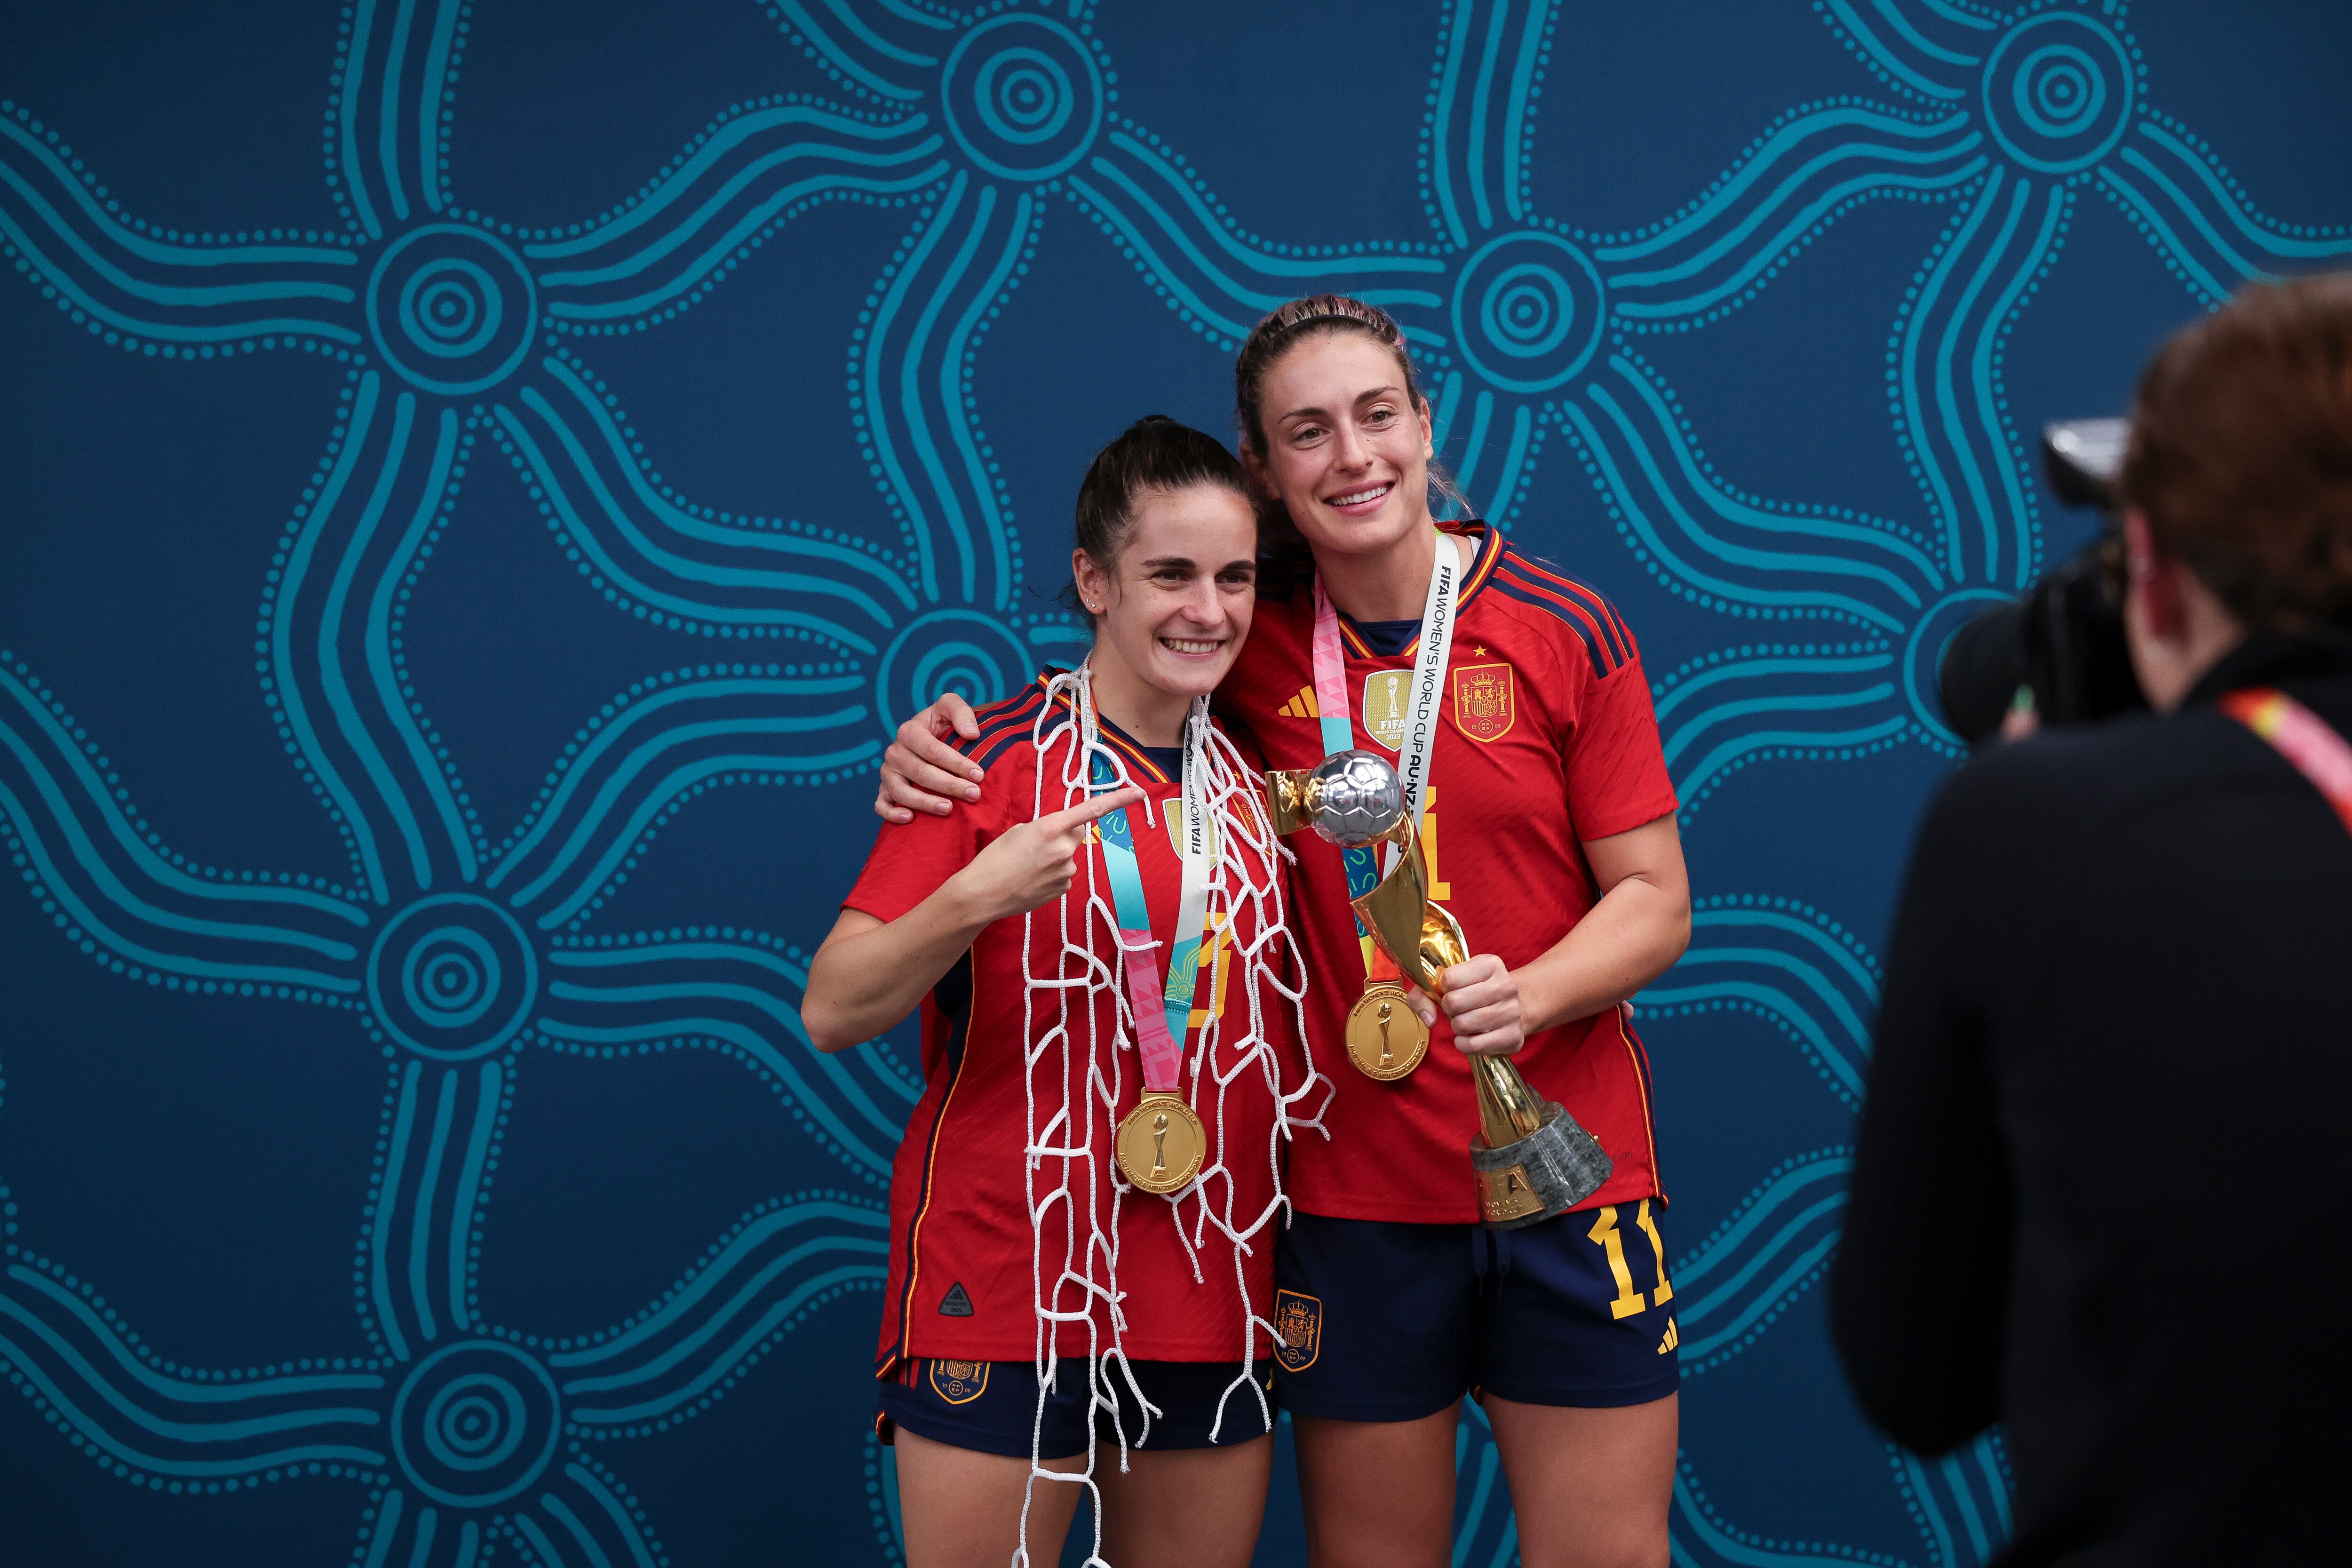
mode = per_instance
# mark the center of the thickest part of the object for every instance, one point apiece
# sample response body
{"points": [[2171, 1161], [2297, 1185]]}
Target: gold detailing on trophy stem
{"points": [[1286, 797], [1508, 1112], [1423, 937], [1425, 940], [1507, 1109]]}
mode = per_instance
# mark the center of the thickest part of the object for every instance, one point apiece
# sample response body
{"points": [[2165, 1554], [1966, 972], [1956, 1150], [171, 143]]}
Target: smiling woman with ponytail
{"points": [[1081, 1273]]}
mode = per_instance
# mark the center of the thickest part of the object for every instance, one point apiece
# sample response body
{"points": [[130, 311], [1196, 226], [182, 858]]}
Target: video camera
{"points": [[2061, 647]]}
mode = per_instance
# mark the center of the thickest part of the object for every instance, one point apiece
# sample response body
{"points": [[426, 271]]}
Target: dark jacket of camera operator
{"points": [[2103, 1177]]}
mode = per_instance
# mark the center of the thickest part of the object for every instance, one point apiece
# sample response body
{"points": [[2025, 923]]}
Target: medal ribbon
{"points": [[2302, 737], [1364, 868], [1162, 1012]]}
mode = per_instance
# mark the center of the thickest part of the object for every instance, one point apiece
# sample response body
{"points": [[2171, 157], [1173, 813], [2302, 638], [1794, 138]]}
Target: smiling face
{"points": [[1347, 447], [1176, 603]]}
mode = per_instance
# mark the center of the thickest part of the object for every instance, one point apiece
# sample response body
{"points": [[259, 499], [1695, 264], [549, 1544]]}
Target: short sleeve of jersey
{"points": [[909, 863], [1616, 769]]}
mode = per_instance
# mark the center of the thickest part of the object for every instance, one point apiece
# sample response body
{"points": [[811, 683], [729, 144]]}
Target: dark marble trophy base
{"points": [[1546, 1173]]}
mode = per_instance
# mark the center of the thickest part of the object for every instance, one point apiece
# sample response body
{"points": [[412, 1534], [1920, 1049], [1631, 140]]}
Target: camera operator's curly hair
{"points": [[2240, 453]]}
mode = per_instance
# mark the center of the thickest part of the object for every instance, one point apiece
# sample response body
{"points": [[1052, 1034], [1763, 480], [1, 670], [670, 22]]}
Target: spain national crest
{"points": [[1299, 1330], [1484, 706], [958, 1382]]}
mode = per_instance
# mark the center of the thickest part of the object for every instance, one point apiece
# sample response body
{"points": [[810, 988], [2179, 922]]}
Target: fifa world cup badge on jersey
{"points": [[958, 1382], [1299, 1330], [1385, 691], [1485, 704], [1174, 822]]}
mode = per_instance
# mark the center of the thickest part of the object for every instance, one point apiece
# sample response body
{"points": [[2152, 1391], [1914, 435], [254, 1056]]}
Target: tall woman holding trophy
{"points": [[1083, 1208], [1429, 1256]]}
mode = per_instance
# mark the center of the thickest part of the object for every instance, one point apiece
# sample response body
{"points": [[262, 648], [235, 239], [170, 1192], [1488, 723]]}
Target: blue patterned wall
{"points": [[480, 480]]}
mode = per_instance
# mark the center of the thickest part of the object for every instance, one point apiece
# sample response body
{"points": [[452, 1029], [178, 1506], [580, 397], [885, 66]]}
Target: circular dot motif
{"points": [[450, 309], [1528, 312], [961, 651], [1023, 97], [1923, 656], [475, 1424], [452, 976], [2058, 92]]}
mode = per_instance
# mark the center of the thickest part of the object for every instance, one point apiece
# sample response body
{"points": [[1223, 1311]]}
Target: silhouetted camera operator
{"points": [[2057, 655], [2102, 1179]]}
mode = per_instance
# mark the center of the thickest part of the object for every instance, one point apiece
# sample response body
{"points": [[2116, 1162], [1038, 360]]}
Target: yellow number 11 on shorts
{"points": [[1605, 1232]]}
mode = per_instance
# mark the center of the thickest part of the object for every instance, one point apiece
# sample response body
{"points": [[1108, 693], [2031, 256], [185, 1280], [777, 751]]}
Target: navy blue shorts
{"points": [[991, 1406], [1383, 1320]]}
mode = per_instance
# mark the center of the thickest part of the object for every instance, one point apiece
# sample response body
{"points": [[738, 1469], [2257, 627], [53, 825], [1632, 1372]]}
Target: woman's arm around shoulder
{"points": [[922, 771]]}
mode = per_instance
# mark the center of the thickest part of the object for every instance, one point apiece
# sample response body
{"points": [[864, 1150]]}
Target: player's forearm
{"points": [[867, 976], [1630, 937]]}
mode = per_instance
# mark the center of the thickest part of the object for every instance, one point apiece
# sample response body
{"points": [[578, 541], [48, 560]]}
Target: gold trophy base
{"points": [[1548, 1173], [1531, 1161]]}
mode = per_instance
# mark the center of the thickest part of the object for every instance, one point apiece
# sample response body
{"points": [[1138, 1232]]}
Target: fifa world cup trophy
{"points": [[1530, 1158]]}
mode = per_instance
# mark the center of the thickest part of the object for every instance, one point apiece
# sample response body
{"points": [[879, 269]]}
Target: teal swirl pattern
{"points": [[452, 977], [750, 636], [475, 1424], [1023, 97], [450, 309]]}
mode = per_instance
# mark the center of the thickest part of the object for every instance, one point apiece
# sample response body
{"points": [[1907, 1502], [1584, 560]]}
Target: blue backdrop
{"points": [[481, 481]]}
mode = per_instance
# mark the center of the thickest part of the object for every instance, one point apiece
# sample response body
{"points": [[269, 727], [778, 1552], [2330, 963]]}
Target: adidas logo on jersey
{"points": [[1301, 706], [958, 1304]]}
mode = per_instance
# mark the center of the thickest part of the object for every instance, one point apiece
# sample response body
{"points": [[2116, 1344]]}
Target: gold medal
{"points": [[1386, 1038], [1161, 1144]]}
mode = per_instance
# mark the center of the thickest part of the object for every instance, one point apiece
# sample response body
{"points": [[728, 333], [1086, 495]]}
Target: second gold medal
{"points": [[1386, 1038]]}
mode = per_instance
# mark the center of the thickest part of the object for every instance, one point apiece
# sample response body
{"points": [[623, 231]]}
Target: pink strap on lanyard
{"points": [[2302, 737], [1162, 1011], [1163, 1059], [1330, 673]]}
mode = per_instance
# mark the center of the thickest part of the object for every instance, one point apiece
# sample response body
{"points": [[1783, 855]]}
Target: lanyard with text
{"points": [[1421, 702], [1386, 1040], [1162, 1011], [2302, 737]]}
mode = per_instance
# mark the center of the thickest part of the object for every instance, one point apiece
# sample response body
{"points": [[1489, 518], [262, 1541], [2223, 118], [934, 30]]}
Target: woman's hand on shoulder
{"points": [[921, 771], [1035, 862], [1482, 1000]]}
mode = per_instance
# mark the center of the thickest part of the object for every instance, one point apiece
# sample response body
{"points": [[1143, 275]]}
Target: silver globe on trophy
{"points": [[1530, 1158]]}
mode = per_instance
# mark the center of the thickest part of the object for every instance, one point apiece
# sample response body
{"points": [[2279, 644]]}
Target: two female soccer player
{"points": [[1513, 700], [1039, 1309]]}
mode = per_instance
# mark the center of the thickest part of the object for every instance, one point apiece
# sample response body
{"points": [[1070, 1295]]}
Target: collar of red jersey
{"points": [[1133, 751], [1490, 547]]}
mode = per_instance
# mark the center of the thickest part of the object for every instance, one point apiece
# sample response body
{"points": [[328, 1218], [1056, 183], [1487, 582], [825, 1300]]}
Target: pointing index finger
{"points": [[1087, 811]]}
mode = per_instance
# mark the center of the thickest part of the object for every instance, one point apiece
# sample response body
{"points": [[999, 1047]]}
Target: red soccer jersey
{"points": [[1546, 738], [960, 1280]]}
